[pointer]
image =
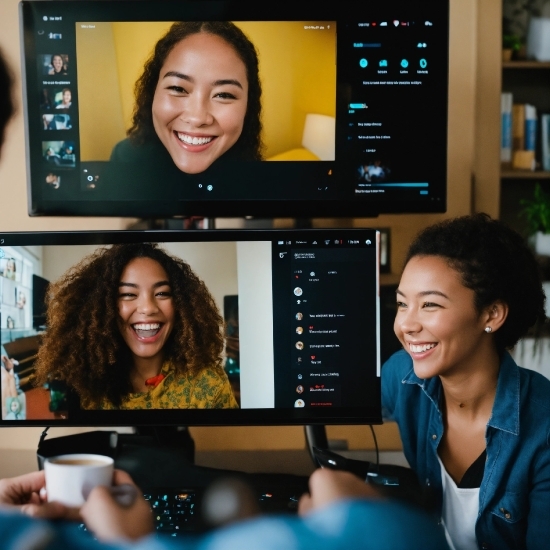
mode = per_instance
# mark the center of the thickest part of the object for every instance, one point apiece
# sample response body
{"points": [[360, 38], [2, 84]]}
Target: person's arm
{"points": [[113, 515], [340, 512], [24, 494]]}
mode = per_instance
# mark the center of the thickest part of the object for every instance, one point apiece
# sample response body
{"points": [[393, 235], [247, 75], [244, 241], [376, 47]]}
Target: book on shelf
{"points": [[506, 101], [518, 127], [530, 128], [524, 136], [545, 141]]}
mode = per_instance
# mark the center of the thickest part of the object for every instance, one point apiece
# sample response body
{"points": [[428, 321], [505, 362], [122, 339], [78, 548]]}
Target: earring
{"points": [[488, 330]]}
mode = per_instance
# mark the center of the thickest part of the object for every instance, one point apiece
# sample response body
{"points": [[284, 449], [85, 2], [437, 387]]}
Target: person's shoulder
{"points": [[124, 150]]}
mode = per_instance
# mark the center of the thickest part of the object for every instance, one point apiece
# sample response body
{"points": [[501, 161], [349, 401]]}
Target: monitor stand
{"points": [[316, 436], [153, 456]]}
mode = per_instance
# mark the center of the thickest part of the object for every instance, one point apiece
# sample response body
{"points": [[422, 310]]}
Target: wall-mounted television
{"points": [[217, 108]]}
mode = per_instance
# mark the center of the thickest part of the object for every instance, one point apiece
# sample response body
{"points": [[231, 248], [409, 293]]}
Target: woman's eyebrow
{"points": [[426, 293], [436, 292], [134, 285], [220, 82], [179, 75], [225, 81]]}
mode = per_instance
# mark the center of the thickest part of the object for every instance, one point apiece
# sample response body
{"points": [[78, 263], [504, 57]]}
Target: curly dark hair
{"points": [[7, 105], [82, 345], [495, 262], [249, 145]]}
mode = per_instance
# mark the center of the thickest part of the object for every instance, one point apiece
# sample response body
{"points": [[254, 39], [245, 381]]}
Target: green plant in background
{"points": [[536, 211], [511, 42]]}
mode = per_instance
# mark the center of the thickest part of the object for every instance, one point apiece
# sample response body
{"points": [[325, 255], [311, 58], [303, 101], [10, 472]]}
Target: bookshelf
{"points": [[529, 82], [526, 175]]}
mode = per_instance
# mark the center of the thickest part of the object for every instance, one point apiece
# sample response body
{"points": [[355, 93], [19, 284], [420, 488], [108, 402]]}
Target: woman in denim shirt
{"points": [[475, 427]]}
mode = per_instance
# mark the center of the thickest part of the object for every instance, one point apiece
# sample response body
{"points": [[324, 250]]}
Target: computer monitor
{"points": [[349, 101], [300, 343]]}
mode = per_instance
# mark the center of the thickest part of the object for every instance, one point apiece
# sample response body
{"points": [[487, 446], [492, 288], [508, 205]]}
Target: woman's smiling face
{"points": [[200, 101], [57, 63], [145, 306], [436, 321]]}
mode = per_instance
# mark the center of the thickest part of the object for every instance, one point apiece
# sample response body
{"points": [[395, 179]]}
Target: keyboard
{"points": [[177, 512]]}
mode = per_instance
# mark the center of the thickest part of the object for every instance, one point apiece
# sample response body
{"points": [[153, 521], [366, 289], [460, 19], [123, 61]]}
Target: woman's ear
{"points": [[495, 315]]}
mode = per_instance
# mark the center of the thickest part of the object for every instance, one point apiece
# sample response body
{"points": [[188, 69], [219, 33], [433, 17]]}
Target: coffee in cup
{"points": [[70, 478]]}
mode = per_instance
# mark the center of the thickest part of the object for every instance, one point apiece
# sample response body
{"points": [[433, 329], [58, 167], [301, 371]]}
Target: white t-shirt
{"points": [[459, 515]]}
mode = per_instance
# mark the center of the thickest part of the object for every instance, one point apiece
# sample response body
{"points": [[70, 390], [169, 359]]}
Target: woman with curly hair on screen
{"points": [[131, 327], [197, 100]]}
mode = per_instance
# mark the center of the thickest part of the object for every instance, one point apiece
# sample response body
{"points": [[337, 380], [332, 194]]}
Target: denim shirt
{"points": [[514, 496]]}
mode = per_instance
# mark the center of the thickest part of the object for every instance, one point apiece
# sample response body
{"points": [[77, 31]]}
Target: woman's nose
{"points": [[197, 112], [147, 305], [407, 322]]}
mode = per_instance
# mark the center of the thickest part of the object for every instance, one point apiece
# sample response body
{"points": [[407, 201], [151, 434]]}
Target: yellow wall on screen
{"points": [[297, 71]]}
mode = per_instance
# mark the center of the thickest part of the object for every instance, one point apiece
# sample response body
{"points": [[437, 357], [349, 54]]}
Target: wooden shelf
{"points": [[526, 65], [524, 174]]}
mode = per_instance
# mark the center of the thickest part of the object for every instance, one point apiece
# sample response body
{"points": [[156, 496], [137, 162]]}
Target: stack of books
{"points": [[521, 134]]}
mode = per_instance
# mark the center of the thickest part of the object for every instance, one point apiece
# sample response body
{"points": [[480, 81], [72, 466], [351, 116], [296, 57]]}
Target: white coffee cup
{"points": [[71, 477]]}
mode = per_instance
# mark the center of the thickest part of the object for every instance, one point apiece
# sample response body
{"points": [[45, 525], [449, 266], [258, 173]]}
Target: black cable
{"points": [[376, 447], [43, 435]]}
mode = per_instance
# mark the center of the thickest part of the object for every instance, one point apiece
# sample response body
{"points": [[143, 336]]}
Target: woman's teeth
{"points": [[146, 330], [419, 349], [190, 140]]}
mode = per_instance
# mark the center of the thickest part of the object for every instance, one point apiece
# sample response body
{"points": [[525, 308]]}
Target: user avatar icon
{"points": [[298, 291], [299, 316], [299, 345], [299, 403], [299, 377], [300, 389], [299, 330]]}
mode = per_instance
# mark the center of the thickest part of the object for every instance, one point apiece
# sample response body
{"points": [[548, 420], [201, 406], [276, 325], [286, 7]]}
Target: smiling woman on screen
{"points": [[199, 97], [150, 338]]}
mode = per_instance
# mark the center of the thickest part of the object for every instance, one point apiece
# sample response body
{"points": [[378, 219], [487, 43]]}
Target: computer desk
{"points": [[14, 462]]}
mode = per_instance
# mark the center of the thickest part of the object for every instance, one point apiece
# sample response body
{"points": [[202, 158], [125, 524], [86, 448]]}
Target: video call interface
{"points": [[353, 111], [300, 323]]}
